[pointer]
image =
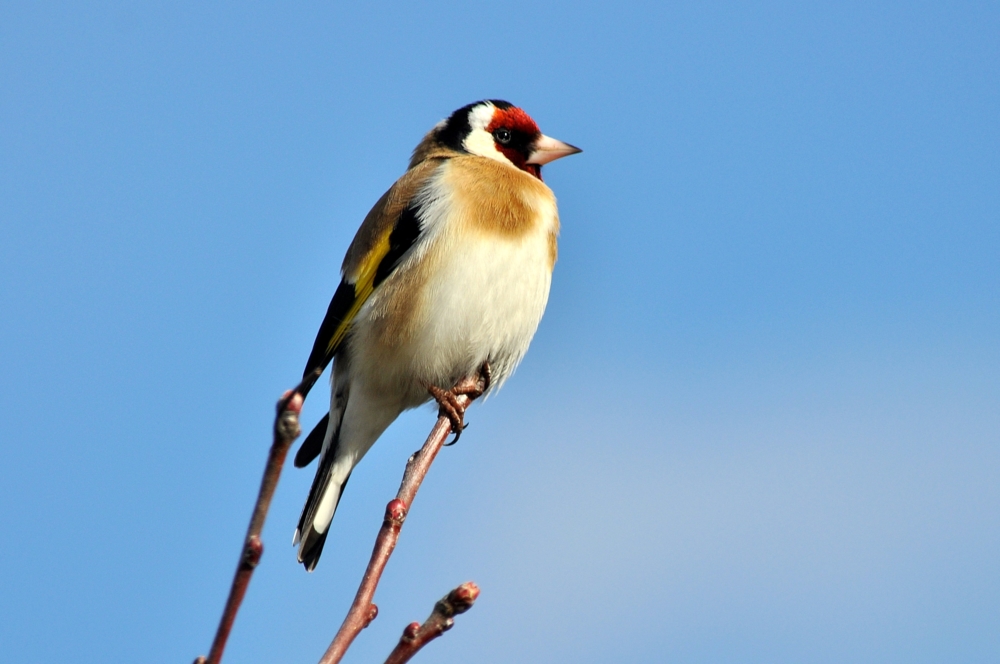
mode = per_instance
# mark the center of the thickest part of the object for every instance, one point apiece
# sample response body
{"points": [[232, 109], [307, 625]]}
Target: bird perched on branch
{"points": [[448, 276]]}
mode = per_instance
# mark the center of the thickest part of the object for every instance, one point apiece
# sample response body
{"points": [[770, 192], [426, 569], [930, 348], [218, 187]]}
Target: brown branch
{"points": [[362, 610], [286, 430], [416, 636]]}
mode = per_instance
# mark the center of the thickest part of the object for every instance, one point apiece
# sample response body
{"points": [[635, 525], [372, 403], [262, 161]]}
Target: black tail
{"points": [[313, 444], [311, 540]]}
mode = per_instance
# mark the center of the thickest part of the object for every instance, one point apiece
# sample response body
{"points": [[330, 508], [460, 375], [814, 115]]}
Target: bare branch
{"points": [[362, 610], [286, 430], [416, 636]]}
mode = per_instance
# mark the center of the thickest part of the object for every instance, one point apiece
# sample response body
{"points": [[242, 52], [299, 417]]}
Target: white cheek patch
{"points": [[479, 141], [481, 116]]}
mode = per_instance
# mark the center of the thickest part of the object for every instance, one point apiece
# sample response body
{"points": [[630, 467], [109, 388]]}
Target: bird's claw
{"points": [[448, 404], [450, 407]]}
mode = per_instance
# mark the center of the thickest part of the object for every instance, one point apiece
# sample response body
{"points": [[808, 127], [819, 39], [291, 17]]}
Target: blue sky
{"points": [[758, 423]]}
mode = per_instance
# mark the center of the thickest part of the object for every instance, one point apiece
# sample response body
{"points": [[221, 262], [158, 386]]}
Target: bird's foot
{"points": [[450, 407], [475, 387], [449, 404]]}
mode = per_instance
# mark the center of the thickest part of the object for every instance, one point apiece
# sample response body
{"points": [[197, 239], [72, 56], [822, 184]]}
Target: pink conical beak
{"points": [[549, 149]]}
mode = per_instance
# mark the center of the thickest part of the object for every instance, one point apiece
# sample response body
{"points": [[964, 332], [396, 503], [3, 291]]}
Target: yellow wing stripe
{"points": [[364, 284]]}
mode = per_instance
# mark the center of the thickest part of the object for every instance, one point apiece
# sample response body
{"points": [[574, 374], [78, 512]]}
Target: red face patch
{"points": [[513, 118], [523, 133]]}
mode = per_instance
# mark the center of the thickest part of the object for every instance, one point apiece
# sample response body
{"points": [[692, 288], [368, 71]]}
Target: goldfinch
{"points": [[449, 273]]}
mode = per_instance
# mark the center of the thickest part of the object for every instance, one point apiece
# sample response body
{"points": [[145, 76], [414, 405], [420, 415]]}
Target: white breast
{"points": [[478, 295], [485, 302]]}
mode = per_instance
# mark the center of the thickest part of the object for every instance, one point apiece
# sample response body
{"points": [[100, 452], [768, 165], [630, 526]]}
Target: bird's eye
{"points": [[502, 136]]}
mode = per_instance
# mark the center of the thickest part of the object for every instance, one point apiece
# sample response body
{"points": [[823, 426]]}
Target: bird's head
{"points": [[499, 130]]}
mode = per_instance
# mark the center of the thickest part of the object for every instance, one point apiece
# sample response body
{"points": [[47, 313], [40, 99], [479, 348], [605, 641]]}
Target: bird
{"points": [[448, 275]]}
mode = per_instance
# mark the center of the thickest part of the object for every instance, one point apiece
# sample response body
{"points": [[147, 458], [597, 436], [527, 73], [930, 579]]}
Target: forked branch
{"points": [[416, 636], [362, 610]]}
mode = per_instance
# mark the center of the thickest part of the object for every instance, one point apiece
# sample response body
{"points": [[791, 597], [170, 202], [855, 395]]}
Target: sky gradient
{"points": [[759, 421]]}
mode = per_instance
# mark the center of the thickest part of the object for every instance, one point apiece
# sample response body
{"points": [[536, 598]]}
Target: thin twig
{"points": [[286, 430], [363, 611], [416, 636]]}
